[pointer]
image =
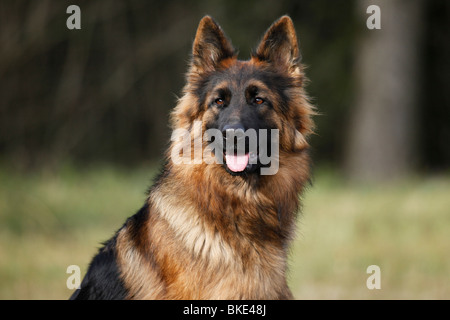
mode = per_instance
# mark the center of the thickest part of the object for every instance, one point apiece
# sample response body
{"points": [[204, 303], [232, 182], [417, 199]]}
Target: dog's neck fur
{"points": [[242, 209], [237, 229]]}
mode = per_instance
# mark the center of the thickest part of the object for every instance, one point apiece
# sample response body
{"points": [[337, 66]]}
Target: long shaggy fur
{"points": [[204, 233]]}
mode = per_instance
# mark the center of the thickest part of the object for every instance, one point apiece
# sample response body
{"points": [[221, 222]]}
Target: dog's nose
{"points": [[236, 130]]}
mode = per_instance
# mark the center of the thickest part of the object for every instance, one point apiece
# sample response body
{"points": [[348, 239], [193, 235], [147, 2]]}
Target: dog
{"points": [[220, 229]]}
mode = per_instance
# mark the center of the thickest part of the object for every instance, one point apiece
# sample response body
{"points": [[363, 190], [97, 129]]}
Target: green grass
{"points": [[403, 228], [49, 221]]}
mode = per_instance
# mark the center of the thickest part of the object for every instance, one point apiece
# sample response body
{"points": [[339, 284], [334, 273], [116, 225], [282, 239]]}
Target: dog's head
{"points": [[250, 110]]}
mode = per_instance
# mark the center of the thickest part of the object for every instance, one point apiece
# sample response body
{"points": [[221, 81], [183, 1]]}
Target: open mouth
{"points": [[240, 152], [238, 163]]}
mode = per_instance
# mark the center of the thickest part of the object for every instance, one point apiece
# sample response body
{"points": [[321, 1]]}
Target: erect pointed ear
{"points": [[279, 46], [210, 46]]}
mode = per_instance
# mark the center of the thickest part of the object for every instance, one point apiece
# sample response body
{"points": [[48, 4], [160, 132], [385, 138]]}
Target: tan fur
{"points": [[210, 235]]}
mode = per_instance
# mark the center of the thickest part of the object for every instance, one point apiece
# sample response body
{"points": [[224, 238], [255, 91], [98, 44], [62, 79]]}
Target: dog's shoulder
{"points": [[102, 281]]}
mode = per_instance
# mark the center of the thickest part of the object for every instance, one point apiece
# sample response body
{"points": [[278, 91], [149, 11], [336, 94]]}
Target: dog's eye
{"points": [[259, 100], [219, 101]]}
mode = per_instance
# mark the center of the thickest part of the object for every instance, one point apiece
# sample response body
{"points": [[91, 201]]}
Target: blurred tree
{"points": [[382, 137], [103, 93], [434, 126]]}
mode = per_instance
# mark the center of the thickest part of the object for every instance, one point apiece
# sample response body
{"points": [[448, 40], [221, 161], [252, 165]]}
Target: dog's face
{"points": [[257, 106]]}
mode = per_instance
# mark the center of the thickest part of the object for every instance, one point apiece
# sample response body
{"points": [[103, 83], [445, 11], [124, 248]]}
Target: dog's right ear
{"points": [[210, 47]]}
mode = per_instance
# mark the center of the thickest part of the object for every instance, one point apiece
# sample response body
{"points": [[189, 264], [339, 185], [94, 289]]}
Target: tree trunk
{"points": [[381, 140]]}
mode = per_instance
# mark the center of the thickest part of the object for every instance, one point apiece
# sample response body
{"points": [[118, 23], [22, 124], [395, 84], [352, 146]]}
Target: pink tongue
{"points": [[236, 163]]}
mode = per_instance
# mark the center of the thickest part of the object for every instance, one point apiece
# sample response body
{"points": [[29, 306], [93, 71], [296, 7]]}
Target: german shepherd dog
{"points": [[213, 230]]}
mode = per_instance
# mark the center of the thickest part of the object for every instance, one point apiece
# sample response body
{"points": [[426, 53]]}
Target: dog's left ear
{"points": [[279, 46], [210, 46]]}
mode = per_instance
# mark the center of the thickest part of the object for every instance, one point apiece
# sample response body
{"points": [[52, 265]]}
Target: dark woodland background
{"points": [[84, 125], [103, 94]]}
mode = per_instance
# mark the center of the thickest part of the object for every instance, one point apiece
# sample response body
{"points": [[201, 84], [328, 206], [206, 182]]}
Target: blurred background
{"points": [[84, 123]]}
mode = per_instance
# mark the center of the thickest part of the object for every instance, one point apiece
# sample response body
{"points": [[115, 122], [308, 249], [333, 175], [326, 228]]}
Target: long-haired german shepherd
{"points": [[214, 230]]}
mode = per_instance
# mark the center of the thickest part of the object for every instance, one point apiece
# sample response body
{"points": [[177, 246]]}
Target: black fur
{"points": [[102, 281]]}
